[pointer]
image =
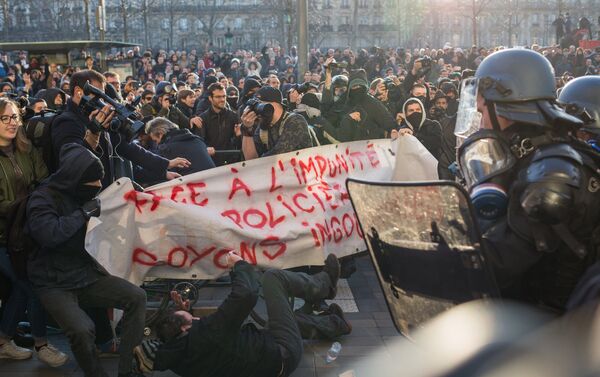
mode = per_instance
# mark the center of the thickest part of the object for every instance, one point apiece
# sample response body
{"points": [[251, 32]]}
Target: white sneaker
{"points": [[52, 356], [11, 351]]}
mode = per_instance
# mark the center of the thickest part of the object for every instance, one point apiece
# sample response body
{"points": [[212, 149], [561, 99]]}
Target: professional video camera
{"points": [[261, 109], [126, 121]]}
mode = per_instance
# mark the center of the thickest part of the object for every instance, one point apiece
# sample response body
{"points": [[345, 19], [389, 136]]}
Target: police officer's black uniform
{"points": [[535, 187]]}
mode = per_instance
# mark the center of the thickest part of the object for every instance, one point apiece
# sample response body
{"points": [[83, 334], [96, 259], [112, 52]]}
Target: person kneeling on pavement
{"points": [[64, 276], [220, 345]]}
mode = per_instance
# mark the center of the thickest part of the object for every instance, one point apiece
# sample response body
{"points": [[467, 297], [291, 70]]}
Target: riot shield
{"points": [[425, 246]]}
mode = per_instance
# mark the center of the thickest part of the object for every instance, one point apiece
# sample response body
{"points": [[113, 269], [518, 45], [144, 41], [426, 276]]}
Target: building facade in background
{"points": [[232, 24]]}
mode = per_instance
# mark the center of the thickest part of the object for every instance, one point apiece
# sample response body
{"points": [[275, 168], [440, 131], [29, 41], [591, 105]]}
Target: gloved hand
{"points": [[91, 208]]}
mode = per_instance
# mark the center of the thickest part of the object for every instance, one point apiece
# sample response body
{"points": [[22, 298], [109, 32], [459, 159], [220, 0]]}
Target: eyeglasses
{"points": [[148, 98], [7, 118], [217, 97]]}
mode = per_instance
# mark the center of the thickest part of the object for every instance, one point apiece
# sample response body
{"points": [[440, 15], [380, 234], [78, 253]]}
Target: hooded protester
{"points": [[202, 103], [176, 142], [64, 275], [233, 95], [361, 105], [55, 98], [310, 109], [251, 86], [429, 132], [334, 99], [452, 96]]}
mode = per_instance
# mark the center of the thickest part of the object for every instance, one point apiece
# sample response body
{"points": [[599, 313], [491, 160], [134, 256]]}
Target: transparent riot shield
{"points": [[425, 245]]}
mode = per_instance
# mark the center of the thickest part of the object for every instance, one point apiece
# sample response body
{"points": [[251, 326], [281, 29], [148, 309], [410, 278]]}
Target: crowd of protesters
{"points": [[199, 110]]}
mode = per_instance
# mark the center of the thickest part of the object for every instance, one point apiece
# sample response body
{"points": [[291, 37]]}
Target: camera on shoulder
{"points": [[126, 120]]}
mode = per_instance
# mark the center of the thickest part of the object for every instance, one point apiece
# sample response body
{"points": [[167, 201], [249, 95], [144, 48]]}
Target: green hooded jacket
{"points": [[34, 170]]}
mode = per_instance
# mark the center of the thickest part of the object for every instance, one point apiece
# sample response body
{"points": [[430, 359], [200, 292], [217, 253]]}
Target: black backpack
{"points": [[38, 130], [19, 242]]}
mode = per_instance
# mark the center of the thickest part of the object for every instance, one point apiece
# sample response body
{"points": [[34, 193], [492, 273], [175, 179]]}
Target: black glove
{"points": [[91, 208]]}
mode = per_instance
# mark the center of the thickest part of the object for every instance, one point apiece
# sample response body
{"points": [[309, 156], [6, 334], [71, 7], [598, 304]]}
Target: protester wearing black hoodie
{"points": [[202, 104], [364, 117], [64, 275], [251, 86], [429, 132]]}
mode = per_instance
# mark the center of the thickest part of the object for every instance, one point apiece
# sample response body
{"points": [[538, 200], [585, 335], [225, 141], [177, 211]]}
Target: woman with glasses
{"points": [[21, 167]]}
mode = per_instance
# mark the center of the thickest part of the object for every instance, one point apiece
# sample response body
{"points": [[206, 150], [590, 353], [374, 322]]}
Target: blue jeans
{"points": [[21, 298]]}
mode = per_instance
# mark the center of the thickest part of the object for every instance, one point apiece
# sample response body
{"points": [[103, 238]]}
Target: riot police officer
{"points": [[581, 98], [533, 188]]}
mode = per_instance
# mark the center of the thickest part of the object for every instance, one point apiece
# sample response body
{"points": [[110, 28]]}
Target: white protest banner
{"points": [[281, 211]]}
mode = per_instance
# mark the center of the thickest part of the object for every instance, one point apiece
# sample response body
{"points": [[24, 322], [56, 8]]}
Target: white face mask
{"points": [[310, 111]]}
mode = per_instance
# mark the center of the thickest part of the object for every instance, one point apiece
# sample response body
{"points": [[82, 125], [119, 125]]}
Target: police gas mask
{"points": [[486, 161]]}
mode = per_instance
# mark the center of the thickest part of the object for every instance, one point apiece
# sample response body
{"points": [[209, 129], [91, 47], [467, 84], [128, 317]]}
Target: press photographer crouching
{"points": [[268, 129], [93, 128]]}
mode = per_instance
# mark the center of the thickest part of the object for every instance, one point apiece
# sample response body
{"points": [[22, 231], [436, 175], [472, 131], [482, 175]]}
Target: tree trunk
{"points": [[88, 29], [145, 21], [355, 26], [124, 15], [474, 20], [5, 15]]}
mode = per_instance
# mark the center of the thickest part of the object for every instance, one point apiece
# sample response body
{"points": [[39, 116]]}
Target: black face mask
{"points": [[84, 193], [232, 101], [357, 95], [422, 99], [415, 119]]}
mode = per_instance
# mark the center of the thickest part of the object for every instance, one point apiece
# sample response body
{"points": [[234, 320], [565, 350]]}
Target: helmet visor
{"points": [[468, 119], [484, 156]]}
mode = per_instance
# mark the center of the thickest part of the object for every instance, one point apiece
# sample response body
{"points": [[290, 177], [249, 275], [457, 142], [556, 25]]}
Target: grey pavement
{"points": [[363, 302]]}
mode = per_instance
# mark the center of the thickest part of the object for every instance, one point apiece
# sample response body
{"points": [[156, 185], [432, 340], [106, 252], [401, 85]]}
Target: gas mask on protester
{"points": [[485, 161]]}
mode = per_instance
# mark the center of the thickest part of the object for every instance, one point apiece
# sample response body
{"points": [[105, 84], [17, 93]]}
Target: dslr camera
{"points": [[125, 122], [261, 109], [341, 64], [426, 62], [303, 88]]}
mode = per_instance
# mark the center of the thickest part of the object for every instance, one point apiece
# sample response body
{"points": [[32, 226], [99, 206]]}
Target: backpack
{"points": [[38, 130], [19, 242]]}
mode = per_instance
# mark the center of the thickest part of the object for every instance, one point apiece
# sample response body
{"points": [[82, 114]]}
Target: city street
{"points": [[360, 296]]}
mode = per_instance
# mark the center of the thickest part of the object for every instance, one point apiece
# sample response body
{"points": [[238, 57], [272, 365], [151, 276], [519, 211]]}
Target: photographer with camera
{"points": [[90, 128], [268, 129], [163, 105]]}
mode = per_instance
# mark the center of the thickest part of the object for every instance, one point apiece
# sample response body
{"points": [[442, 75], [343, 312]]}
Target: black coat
{"points": [[57, 223], [218, 344], [70, 127], [218, 131], [429, 132], [182, 143]]}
